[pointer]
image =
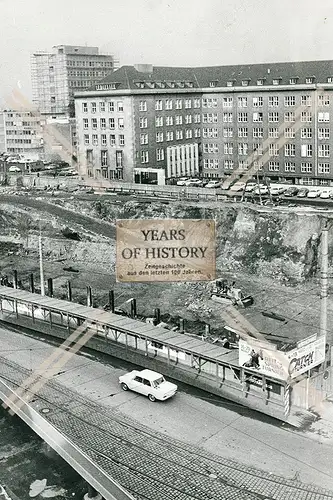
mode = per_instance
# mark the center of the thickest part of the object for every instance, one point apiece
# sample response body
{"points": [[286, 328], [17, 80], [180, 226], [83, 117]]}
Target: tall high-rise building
{"points": [[56, 75]]}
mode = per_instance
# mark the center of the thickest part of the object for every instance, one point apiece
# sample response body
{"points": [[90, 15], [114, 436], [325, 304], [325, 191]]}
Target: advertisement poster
{"points": [[268, 361], [165, 250]]}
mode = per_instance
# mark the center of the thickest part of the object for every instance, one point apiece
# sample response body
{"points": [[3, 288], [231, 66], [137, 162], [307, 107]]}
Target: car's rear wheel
{"points": [[124, 386], [151, 398]]}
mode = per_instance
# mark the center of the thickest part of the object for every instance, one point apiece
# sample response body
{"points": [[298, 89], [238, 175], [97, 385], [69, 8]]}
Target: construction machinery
{"points": [[229, 294]]}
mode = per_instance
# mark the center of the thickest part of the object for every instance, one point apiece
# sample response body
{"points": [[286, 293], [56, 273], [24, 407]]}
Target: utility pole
{"points": [[42, 287], [324, 280]]}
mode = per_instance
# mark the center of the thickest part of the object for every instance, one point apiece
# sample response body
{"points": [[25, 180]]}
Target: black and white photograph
{"points": [[166, 250]]}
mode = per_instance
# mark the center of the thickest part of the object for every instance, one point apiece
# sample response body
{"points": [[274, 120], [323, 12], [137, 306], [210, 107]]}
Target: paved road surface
{"points": [[212, 425]]}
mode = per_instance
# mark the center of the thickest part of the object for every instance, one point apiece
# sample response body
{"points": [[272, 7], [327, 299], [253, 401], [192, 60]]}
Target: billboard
{"points": [[264, 358], [165, 250]]}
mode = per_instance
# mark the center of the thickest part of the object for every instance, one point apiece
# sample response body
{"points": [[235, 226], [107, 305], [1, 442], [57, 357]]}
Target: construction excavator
{"points": [[228, 294]]}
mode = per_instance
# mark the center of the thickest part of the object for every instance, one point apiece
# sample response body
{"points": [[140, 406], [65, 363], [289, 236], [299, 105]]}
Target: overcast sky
{"points": [[164, 32]]}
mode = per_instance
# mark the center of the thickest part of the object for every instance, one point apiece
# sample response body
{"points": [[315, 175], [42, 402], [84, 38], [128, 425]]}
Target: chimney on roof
{"points": [[144, 68]]}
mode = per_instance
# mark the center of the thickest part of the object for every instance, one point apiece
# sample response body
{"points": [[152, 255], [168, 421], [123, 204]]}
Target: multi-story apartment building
{"points": [[275, 118], [21, 133], [58, 74]]}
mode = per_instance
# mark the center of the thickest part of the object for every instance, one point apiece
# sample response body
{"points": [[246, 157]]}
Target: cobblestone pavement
{"points": [[150, 465]]}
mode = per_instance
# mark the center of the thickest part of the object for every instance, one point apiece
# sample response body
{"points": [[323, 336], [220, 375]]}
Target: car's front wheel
{"points": [[151, 397], [124, 386]]}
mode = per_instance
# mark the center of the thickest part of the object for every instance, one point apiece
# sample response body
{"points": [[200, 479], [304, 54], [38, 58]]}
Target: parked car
{"points": [[260, 189], [291, 191], [277, 190], [213, 184], [14, 169], [193, 183], [325, 194], [149, 383], [302, 193], [238, 186], [181, 181], [250, 186], [314, 193]]}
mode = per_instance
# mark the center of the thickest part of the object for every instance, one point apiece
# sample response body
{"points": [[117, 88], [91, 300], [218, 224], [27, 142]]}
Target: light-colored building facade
{"points": [[22, 133], [211, 121], [56, 75]]}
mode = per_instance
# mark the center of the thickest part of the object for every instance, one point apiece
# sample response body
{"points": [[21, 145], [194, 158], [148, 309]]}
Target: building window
{"points": [[323, 117], [227, 102], [306, 100], [112, 140], [243, 165], [273, 117], [159, 105], [323, 100], [111, 107], [169, 121], [120, 122], [103, 140], [257, 102], [196, 103], [111, 123], [95, 139], [169, 136], [85, 107], [188, 133], [323, 133], [258, 117], [159, 137], [258, 133], [179, 120], [104, 158], [144, 157], [306, 133], [323, 168], [242, 102], [273, 101], [242, 132], [228, 164], [245, 83], [289, 133], [309, 79], [228, 148], [230, 83], [306, 117], [289, 166], [143, 106], [258, 149], [102, 106], [143, 122], [209, 102], [289, 150], [289, 117], [94, 123], [143, 139], [188, 119], [121, 140], [273, 150], [242, 117], [261, 81], [293, 81], [179, 134], [159, 154], [168, 104], [103, 123], [289, 100], [211, 148], [179, 104], [324, 150], [159, 121], [86, 139], [209, 132], [243, 148], [276, 81], [228, 132], [273, 133], [85, 123], [120, 106], [197, 118], [306, 167], [212, 84], [197, 132], [93, 107], [273, 166], [306, 150], [227, 118], [188, 103]]}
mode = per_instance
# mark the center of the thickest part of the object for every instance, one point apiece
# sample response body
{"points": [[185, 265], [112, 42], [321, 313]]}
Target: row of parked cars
{"points": [[287, 191], [185, 181]]}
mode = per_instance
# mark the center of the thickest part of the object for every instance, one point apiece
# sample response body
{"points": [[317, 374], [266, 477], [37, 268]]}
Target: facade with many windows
{"points": [[21, 132], [273, 118]]}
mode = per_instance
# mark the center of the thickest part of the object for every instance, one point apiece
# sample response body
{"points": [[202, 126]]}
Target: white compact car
{"points": [[149, 383]]}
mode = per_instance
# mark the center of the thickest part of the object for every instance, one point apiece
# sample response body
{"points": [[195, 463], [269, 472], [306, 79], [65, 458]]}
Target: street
{"points": [[215, 425]]}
